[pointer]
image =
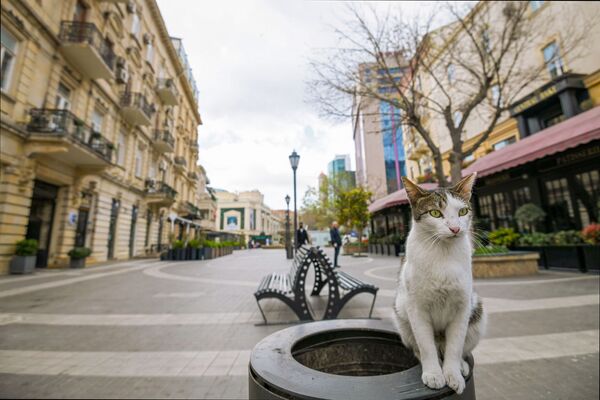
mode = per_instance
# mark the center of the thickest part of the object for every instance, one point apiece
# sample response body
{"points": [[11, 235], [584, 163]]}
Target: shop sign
{"points": [[534, 99], [578, 155], [72, 218]]}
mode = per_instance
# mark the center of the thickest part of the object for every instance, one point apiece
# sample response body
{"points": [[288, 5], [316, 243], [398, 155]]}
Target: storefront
{"points": [[557, 169]]}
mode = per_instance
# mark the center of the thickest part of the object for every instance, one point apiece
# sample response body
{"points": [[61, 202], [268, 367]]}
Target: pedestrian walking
{"points": [[301, 236], [336, 241]]}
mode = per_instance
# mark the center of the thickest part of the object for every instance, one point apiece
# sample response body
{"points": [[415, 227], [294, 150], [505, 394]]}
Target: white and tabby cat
{"points": [[438, 314]]}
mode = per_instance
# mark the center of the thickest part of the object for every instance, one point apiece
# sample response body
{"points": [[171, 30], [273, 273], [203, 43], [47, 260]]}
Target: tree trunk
{"points": [[455, 169], [439, 171]]}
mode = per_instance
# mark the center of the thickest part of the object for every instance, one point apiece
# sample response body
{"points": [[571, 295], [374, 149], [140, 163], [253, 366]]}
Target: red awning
{"points": [[396, 198], [573, 132]]}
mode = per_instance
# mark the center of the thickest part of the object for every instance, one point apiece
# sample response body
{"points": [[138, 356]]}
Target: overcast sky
{"points": [[249, 59]]}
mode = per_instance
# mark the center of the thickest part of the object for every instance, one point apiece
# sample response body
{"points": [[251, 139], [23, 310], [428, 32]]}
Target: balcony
{"points": [[193, 176], [64, 137], [135, 109], [163, 141], [84, 47], [159, 193], [180, 163], [194, 147], [190, 210], [167, 91]]}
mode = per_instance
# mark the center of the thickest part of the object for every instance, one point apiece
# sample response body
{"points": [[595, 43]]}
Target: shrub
{"points": [[194, 243], [26, 247], [530, 215], [178, 244], [591, 234], [487, 250], [535, 239], [80, 252], [562, 238], [210, 244], [504, 237]]}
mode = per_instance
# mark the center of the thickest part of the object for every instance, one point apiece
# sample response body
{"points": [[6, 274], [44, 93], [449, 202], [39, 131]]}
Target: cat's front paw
{"points": [[454, 379], [433, 379], [464, 368]]}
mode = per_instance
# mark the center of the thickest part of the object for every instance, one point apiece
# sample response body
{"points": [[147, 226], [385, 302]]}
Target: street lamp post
{"points": [[288, 244], [294, 160]]}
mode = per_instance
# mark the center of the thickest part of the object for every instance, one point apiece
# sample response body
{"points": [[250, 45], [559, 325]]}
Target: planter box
{"points": [[179, 254], [77, 262], [353, 249], [591, 256], [503, 265], [22, 264], [582, 256], [391, 250], [208, 253], [199, 253]]}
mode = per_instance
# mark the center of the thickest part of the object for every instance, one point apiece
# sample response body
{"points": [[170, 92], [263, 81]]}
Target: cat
{"points": [[437, 313]]}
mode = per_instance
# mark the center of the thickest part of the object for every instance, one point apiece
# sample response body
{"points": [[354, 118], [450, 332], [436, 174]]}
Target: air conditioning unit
{"points": [[122, 75]]}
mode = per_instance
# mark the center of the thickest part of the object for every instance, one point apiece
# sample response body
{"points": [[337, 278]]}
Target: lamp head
{"points": [[294, 160]]}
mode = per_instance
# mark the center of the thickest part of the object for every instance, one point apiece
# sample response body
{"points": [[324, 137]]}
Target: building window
{"points": [[393, 146], [451, 70], [97, 121], [138, 163], [587, 190], [7, 58], [63, 98], [522, 196], [486, 213], [535, 5], [135, 25], [149, 53], [503, 209], [121, 149], [504, 143], [485, 41], [552, 59], [560, 209]]}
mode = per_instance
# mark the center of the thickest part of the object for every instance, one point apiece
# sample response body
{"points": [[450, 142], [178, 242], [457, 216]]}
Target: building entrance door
{"points": [[41, 217], [114, 213]]}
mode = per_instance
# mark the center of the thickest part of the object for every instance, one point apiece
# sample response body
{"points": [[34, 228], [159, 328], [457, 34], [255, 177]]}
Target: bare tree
{"points": [[464, 73]]}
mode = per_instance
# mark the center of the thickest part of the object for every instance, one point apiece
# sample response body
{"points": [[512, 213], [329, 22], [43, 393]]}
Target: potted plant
{"points": [[78, 256], [208, 249], [529, 216], [178, 250], [195, 249], [25, 256]]}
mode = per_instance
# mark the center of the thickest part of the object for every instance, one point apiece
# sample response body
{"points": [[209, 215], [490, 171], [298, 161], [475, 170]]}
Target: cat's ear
{"points": [[464, 188], [413, 190]]}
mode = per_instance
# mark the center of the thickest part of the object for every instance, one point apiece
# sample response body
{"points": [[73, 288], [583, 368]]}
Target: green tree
{"points": [[352, 208]]}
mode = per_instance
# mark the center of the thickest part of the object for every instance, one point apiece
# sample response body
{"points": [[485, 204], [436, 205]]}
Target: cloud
{"points": [[249, 59]]}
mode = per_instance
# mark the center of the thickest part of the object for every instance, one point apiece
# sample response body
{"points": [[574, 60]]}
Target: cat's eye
{"points": [[463, 211], [435, 213]]}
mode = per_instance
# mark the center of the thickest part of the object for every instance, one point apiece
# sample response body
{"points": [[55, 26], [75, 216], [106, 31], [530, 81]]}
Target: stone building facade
{"points": [[245, 213], [99, 141]]}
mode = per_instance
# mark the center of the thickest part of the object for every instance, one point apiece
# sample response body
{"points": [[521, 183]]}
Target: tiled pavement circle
{"points": [[162, 329]]}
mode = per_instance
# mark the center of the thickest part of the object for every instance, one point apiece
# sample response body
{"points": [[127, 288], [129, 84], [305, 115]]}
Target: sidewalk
{"points": [[145, 328]]}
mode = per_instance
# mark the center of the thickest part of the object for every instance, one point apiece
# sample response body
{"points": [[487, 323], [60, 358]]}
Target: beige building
{"points": [[569, 85], [245, 213], [98, 131]]}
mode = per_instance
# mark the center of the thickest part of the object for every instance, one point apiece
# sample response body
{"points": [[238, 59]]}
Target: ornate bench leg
{"points": [[261, 311], [372, 304]]}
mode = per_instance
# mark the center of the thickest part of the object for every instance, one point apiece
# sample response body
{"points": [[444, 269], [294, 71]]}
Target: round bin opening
{"points": [[354, 353]]}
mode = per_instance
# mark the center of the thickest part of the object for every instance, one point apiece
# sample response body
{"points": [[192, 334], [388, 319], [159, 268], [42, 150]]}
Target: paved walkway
{"points": [[185, 329]]}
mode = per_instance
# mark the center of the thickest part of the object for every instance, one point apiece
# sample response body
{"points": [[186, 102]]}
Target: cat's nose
{"points": [[454, 230]]}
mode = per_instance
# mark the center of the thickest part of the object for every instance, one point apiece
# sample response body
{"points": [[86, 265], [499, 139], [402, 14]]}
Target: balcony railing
{"points": [[86, 33], [136, 108], [154, 187], [179, 160], [194, 146], [163, 140], [167, 90], [62, 123], [193, 175]]}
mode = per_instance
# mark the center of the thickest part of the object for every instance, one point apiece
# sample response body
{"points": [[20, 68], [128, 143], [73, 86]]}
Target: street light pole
{"points": [[288, 244], [294, 160]]}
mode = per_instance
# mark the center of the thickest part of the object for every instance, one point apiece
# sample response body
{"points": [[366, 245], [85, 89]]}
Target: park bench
{"points": [[289, 287]]}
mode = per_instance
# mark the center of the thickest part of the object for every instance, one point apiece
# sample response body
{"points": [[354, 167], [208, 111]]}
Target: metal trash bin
{"points": [[341, 359]]}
